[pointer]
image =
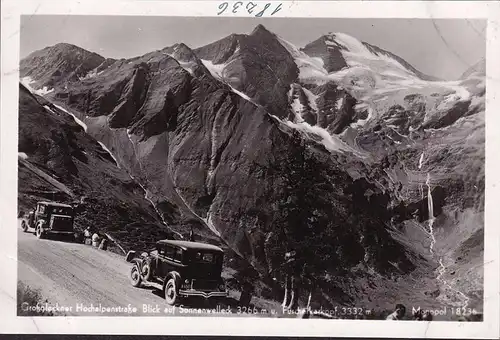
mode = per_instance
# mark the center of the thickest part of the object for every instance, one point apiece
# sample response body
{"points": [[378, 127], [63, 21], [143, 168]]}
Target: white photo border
{"points": [[10, 323]]}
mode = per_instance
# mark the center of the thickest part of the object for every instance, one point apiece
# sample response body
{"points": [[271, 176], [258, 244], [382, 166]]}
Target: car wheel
{"points": [[171, 293], [146, 271], [39, 233], [135, 276], [24, 226]]}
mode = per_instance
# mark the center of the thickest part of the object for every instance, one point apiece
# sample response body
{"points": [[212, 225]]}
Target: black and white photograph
{"points": [[251, 167]]}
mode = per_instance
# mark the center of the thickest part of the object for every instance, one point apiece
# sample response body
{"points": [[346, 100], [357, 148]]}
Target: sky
{"points": [[444, 48]]}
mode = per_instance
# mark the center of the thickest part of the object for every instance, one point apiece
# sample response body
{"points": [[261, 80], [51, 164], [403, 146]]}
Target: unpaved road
{"points": [[76, 275]]}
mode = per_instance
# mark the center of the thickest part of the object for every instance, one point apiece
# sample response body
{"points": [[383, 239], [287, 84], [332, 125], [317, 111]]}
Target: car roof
{"points": [[191, 245], [55, 204]]}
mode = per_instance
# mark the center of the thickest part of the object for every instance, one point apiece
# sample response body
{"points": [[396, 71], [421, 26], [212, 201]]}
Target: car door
{"points": [[39, 213], [165, 257]]}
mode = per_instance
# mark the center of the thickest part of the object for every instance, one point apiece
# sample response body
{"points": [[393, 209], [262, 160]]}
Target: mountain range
{"points": [[340, 152]]}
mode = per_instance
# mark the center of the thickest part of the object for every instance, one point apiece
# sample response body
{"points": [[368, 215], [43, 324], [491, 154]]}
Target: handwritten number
{"points": [[223, 6], [236, 6], [250, 7], [278, 8], [262, 12]]}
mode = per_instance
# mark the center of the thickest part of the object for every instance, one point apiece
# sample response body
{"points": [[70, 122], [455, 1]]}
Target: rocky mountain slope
{"points": [[59, 161], [340, 154]]}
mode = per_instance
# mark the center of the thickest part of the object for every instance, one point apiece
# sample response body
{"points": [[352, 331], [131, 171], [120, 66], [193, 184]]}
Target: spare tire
{"points": [[135, 275], [146, 272]]}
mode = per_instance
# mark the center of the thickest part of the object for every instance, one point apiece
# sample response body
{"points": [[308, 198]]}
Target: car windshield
{"points": [[61, 210]]}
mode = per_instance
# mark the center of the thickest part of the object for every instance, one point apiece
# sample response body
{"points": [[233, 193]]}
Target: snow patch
{"points": [[312, 99], [110, 153], [93, 73], [296, 105], [331, 142], [43, 91], [89, 75], [311, 69], [188, 66], [356, 53], [216, 70], [211, 225], [421, 161], [48, 109], [243, 95], [77, 120], [27, 81], [339, 103]]}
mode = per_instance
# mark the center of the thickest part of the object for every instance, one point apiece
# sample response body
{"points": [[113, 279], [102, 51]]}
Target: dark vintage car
{"points": [[50, 218], [183, 268]]}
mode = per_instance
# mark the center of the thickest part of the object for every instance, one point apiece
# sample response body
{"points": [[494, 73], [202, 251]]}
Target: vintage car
{"points": [[182, 268], [50, 218]]}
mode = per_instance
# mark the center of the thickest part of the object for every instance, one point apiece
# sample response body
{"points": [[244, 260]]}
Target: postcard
{"points": [[250, 168]]}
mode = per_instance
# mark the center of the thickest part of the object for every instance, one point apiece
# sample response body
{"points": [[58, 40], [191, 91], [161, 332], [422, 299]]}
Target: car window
{"points": [[178, 254], [204, 257], [161, 249], [62, 210], [172, 253], [169, 252]]}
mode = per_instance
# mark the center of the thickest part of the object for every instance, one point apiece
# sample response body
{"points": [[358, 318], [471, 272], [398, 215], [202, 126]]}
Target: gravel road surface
{"points": [[85, 279]]}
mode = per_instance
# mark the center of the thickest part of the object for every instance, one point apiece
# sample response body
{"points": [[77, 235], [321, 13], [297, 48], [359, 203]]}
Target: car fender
{"points": [[141, 262], [175, 275], [130, 256]]}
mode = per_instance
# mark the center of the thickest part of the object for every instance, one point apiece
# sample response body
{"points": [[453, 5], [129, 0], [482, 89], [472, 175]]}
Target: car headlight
{"points": [[186, 284], [222, 287]]}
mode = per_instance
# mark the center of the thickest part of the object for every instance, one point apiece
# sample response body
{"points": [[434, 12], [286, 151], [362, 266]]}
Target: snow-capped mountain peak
{"points": [[359, 54]]}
